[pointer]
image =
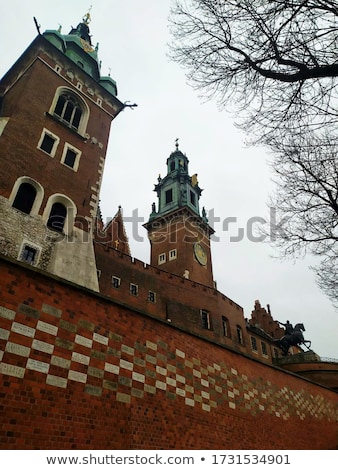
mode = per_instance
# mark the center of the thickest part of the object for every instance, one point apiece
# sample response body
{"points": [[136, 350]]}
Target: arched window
{"points": [[25, 198], [26, 195], [57, 217], [68, 109], [60, 213]]}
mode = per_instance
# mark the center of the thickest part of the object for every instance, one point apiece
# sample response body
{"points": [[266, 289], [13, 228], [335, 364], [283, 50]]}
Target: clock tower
{"points": [[179, 235]]}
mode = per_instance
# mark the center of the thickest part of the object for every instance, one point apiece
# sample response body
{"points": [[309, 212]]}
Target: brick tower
{"points": [[178, 234], [55, 116]]}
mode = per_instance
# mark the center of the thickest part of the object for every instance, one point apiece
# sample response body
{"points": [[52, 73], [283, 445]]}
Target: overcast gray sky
{"points": [[133, 37]]}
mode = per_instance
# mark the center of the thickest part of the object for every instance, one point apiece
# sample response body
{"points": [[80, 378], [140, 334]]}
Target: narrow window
{"points": [[116, 282], [205, 318], [25, 198], [59, 105], [70, 158], [253, 343], [172, 254], [264, 349], [193, 198], [57, 217], [172, 166], [47, 143], [151, 296], [168, 196], [133, 289], [226, 327], [239, 334], [28, 254], [161, 258]]}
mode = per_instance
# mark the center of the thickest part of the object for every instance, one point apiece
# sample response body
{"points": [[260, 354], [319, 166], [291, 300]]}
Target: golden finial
{"points": [[87, 19]]}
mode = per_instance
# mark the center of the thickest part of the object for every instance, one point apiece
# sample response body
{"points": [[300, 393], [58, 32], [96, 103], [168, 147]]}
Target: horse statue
{"points": [[293, 337]]}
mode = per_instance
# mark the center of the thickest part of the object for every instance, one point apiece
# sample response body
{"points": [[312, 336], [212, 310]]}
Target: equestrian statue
{"points": [[293, 337]]}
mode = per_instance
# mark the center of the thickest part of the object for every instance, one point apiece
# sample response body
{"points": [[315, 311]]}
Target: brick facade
{"points": [[81, 371]]}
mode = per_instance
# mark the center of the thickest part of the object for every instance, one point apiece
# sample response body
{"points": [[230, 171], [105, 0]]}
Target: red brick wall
{"points": [[80, 371], [178, 300]]}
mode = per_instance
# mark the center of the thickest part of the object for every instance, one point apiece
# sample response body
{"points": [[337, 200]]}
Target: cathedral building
{"points": [[134, 355]]}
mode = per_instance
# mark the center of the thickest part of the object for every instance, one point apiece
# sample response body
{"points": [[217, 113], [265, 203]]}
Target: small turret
{"points": [[177, 189]]}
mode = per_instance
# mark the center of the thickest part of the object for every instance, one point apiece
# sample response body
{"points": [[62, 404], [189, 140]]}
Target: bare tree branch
{"points": [[274, 62], [277, 58]]}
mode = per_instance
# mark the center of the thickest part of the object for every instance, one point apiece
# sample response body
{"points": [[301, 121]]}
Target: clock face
{"points": [[200, 254]]}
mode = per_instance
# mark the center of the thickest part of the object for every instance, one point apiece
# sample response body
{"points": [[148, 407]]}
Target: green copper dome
{"points": [[77, 46], [177, 189]]}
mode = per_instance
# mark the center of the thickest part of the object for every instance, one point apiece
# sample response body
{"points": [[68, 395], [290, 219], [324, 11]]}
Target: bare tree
{"points": [[327, 278], [306, 197], [274, 60]]}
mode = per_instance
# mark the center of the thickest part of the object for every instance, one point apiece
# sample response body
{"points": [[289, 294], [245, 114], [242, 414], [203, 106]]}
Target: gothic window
{"points": [[57, 217], [25, 198], [68, 110], [71, 109], [226, 327], [169, 196], [205, 319]]}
